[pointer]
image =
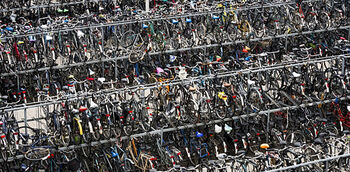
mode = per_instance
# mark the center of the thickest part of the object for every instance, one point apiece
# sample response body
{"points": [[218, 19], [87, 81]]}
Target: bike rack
{"points": [[171, 51], [49, 5], [147, 20], [176, 82], [96, 143]]}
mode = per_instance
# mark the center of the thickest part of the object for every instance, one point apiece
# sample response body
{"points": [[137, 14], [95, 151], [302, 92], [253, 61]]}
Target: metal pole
{"points": [[286, 45], [343, 67], [25, 120], [311, 162], [115, 69], [268, 128], [147, 5]]}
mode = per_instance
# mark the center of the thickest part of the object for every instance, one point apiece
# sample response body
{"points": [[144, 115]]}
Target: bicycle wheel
{"points": [[231, 32], [135, 56], [76, 136], [37, 154], [4, 154], [66, 140], [107, 129], [295, 137], [128, 39]]}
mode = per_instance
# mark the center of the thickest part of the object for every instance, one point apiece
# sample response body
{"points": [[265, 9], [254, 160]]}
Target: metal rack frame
{"points": [[96, 143], [186, 81], [48, 6], [311, 162], [148, 20], [170, 51], [176, 82]]}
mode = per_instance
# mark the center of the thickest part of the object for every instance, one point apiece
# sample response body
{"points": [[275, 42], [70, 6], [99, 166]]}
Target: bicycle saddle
{"points": [[302, 119], [177, 166], [192, 88], [4, 97], [321, 119], [159, 70], [191, 168], [264, 146], [102, 80], [146, 147], [332, 134], [71, 77], [221, 156], [296, 75], [198, 134], [212, 162], [218, 128], [75, 111], [251, 82], [318, 141], [227, 128], [218, 85], [227, 84], [65, 87], [346, 131], [283, 142], [80, 33], [141, 77], [297, 144], [93, 105], [82, 109], [322, 135], [125, 80]]}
